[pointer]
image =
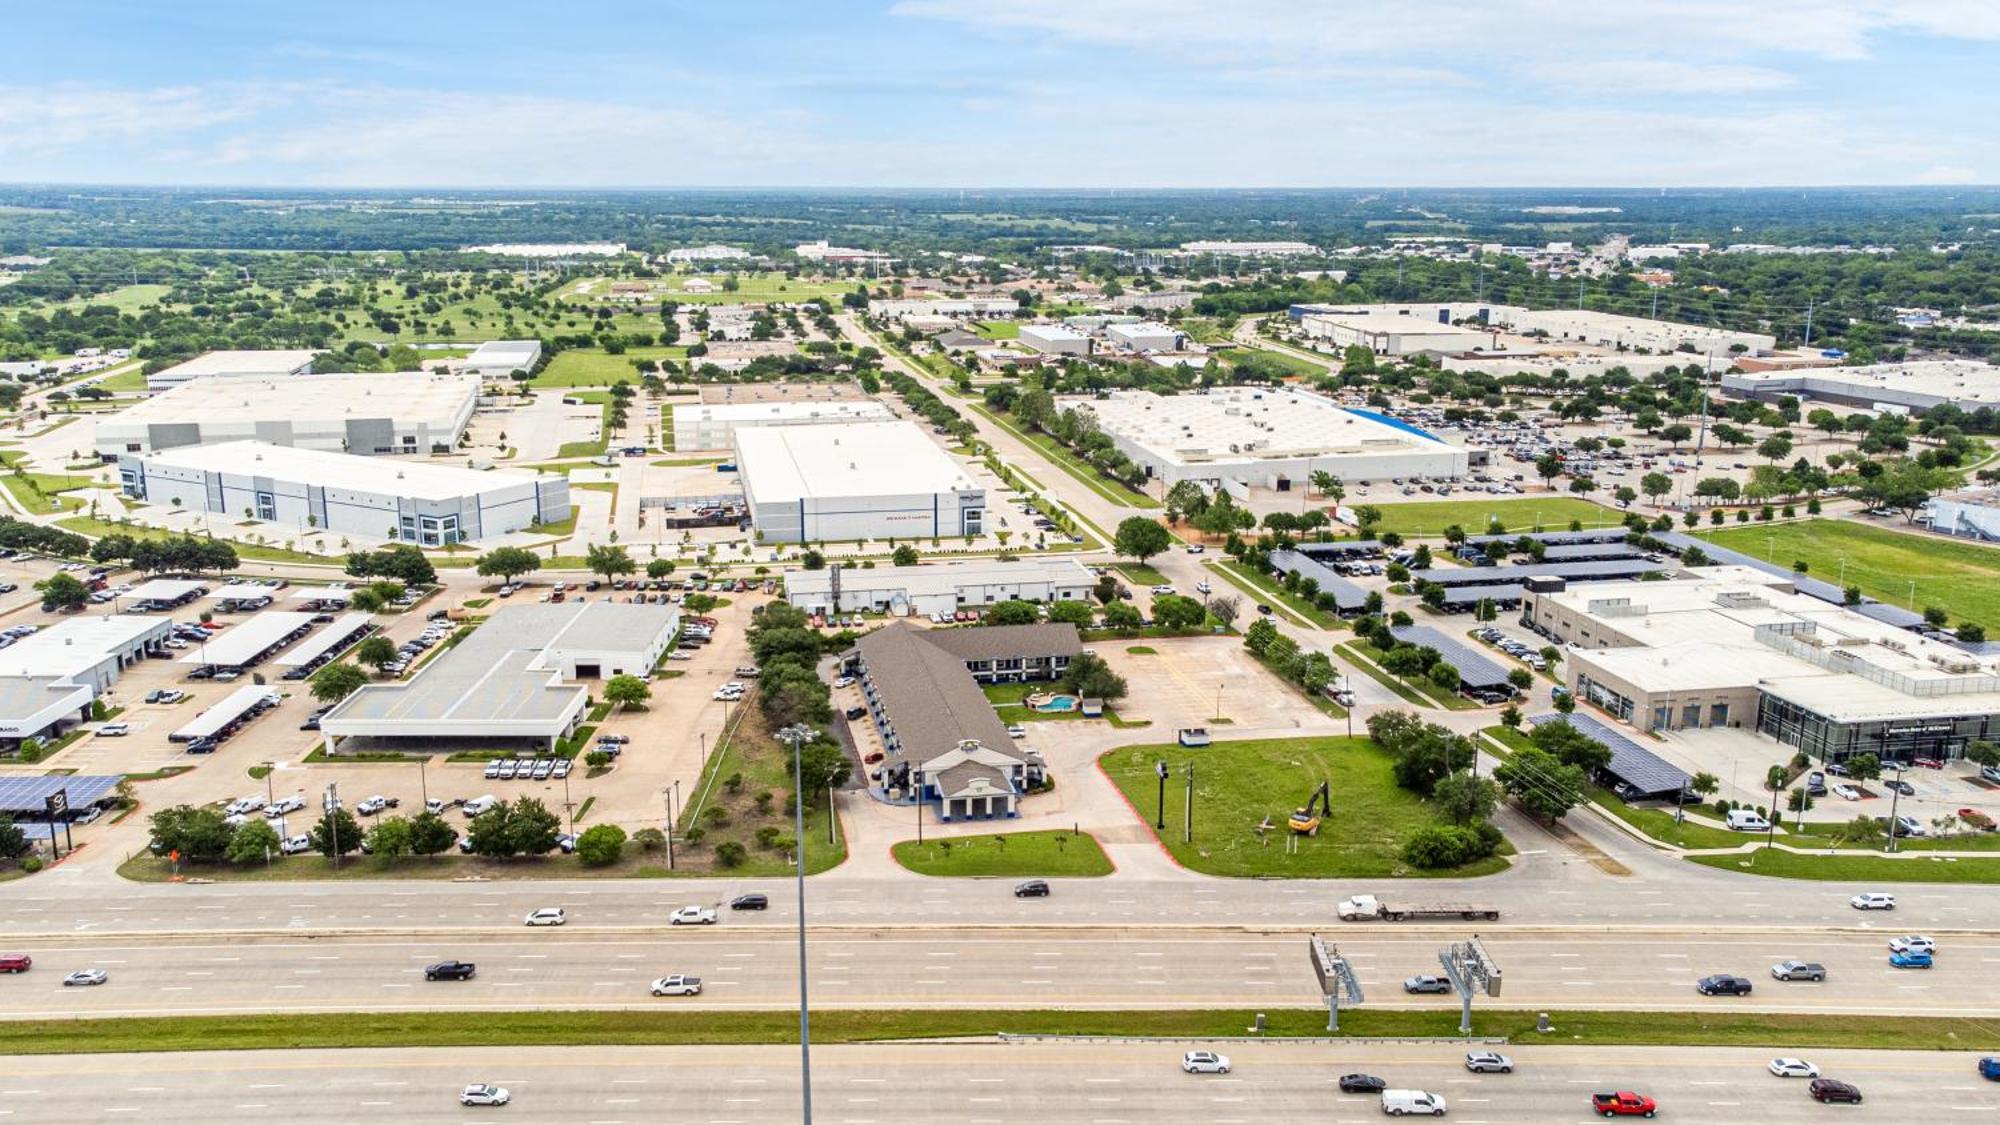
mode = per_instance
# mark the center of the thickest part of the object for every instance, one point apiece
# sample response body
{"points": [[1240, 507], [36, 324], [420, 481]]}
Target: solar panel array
{"points": [[1553, 538], [1348, 596], [1475, 668], [1575, 571], [31, 794], [1473, 595], [1631, 763]]}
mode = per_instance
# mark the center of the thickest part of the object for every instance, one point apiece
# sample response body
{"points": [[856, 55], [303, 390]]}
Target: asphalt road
{"points": [[974, 1083], [755, 968]]}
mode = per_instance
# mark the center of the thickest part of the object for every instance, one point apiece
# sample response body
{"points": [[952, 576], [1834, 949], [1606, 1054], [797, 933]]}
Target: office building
{"points": [[1054, 339], [428, 504], [1392, 334], [49, 679]]}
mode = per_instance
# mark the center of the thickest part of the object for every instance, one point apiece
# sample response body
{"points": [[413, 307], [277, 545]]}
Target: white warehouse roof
{"points": [[408, 394], [789, 463], [415, 479], [240, 362]]}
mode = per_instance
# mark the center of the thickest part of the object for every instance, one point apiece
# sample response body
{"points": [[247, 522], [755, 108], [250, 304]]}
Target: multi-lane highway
{"points": [[754, 968], [973, 1083]]}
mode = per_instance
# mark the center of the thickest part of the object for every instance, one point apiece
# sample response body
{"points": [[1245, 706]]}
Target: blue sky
{"points": [[1002, 93]]}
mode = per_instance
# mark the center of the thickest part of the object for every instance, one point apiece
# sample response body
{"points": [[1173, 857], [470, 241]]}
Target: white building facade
{"points": [[406, 412], [861, 480], [937, 587], [714, 425]]}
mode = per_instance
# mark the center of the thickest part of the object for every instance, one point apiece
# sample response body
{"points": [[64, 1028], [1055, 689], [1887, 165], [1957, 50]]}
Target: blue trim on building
{"points": [[1393, 423]]}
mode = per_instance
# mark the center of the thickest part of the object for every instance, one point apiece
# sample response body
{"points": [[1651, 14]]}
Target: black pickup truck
{"points": [[449, 970]]}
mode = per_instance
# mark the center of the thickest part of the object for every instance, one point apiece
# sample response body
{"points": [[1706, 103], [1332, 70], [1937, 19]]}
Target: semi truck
{"points": [[1368, 908]]}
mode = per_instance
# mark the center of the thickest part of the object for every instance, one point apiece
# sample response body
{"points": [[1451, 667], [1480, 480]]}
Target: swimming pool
{"points": [[1057, 703]]}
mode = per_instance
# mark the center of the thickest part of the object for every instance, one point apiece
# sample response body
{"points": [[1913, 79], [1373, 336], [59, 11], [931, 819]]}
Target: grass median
{"points": [[689, 1027], [1050, 854], [1870, 869]]}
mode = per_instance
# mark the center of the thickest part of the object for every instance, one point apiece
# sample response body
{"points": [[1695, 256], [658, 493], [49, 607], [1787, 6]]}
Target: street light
{"points": [[797, 736], [1160, 819]]}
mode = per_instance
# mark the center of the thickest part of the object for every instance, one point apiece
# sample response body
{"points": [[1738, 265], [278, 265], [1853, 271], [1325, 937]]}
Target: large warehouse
{"points": [[1914, 387], [855, 480], [1262, 437], [407, 412], [937, 587], [1742, 648], [514, 678], [1392, 334], [714, 425], [429, 504], [272, 364]]}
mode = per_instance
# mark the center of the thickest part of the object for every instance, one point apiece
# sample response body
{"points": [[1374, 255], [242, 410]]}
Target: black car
{"points": [[749, 902], [449, 970], [854, 713], [1899, 786], [1831, 1090], [1361, 1084], [1033, 888], [1722, 985]]}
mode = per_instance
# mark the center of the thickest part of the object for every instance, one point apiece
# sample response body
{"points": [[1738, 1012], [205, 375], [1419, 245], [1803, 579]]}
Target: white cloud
{"points": [[1656, 76]]}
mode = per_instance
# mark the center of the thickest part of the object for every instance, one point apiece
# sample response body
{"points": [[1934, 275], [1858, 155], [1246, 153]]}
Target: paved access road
{"points": [[755, 968], [973, 1083]]}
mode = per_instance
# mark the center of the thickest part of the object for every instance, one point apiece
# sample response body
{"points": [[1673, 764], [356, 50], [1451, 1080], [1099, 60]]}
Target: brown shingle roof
{"points": [[931, 700], [996, 642]]}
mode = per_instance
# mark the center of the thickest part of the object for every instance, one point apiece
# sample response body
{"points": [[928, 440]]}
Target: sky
{"points": [[1001, 93]]}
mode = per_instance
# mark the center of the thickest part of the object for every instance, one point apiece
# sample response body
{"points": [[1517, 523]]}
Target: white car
{"points": [[1912, 943], [1205, 1062], [548, 916], [1873, 900], [114, 730], [1016, 730], [726, 696], [296, 845], [285, 805], [86, 977], [1846, 792], [677, 985], [1793, 1068], [1202, 587], [680, 654], [692, 916], [843, 681], [1488, 1062], [369, 806], [1162, 589], [1195, 548], [484, 1094]]}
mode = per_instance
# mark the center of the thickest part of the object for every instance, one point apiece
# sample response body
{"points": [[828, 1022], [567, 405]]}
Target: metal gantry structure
{"points": [[1470, 970], [1336, 979]]}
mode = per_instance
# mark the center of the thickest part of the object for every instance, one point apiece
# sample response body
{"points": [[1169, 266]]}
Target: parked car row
{"points": [[529, 769]]}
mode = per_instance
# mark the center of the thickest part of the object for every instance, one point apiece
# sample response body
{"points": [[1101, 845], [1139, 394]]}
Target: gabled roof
{"points": [[995, 642], [930, 699]]}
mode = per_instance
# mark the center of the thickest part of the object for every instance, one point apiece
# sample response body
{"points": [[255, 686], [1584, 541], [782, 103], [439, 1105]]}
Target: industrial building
{"points": [[1144, 336], [267, 364], [1055, 339], [428, 504], [855, 480], [714, 425], [497, 359], [997, 308], [514, 679], [1740, 647], [937, 587], [1609, 330], [408, 412], [714, 252], [1900, 387], [49, 679], [1250, 249], [1268, 438], [1393, 334]]}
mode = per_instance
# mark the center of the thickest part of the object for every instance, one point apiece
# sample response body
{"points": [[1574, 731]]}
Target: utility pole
{"points": [[796, 736], [1894, 801], [1809, 316]]}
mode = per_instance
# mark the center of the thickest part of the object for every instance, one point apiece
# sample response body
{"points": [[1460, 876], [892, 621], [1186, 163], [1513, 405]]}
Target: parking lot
{"points": [[1184, 681]]}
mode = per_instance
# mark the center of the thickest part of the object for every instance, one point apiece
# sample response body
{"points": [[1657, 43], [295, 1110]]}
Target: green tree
{"points": [[1864, 767], [508, 563], [1140, 538], [1464, 797], [430, 835], [392, 837], [491, 833], [659, 568], [1012, 611], [336, 833], [337, 681], [1541, 785], [198, 834], [1570, 746], [253, 841], [375, 651], [1656, 485], [822, 763], [600, 845], [630, 692], [1089, 676], [611, 561], [1444, 677], [1173, 611], [1122, 615], [533, 827], [1072, 611], [905, 555], [1548, 467], [62, 592], [1676, 433]]}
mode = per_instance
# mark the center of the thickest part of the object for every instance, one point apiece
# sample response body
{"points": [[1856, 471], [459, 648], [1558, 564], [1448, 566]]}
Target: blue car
{"points": [[1910, 959]]}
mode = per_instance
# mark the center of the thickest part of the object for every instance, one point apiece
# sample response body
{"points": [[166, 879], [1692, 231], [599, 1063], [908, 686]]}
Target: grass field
{"points": [[1855, 869], [1239, 785], [1263, 587], [1956, 575], [999, 329], [1430, 520], [1020, 855], [1289, 364], [594, 367], [752, 288], [1111, 490], [98, 528], [667, 1026]]}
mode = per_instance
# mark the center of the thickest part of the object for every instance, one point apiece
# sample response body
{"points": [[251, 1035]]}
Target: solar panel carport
{"points": [[1476, 670], [1640, 768], [22, 797], [243, 645], [1348, 597], [1463, 598], [1504, 575]]}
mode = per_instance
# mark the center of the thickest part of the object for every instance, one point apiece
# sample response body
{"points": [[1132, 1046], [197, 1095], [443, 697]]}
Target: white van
{"points": [[480, 804], [1396, 1103], [1746, 820]]}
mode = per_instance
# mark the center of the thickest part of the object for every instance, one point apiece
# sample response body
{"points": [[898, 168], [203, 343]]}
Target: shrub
{"points": [[763, 800], [767, 836], [597, 759], [693, 836], [1443, 845], [32, 864], [729, 853], [649, 839], [733, 783], [601, 845], [715, 815]]}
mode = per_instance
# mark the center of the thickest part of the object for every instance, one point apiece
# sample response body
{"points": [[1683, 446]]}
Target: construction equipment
{"points": [[1305, 821]]}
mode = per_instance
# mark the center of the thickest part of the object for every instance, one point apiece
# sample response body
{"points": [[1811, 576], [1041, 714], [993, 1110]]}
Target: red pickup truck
{"points": [[1624, 1103]]}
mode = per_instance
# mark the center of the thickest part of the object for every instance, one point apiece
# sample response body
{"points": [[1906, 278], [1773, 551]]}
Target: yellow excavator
{"points": [[1305, 821]]}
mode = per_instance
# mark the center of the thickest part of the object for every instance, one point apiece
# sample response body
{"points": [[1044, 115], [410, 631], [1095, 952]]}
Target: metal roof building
{"points": [[273, 364], [1349, 598], [1631, 763], [514, 677], [1476, 670], [855, 480], [1509, 575], [403, 412]]}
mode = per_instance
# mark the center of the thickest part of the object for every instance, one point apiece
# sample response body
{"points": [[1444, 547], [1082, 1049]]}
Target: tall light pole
{"points": [[796, 736]]}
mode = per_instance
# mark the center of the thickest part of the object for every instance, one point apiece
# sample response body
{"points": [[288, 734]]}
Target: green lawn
{"points": [[1858, 869], [1007, 704], [760, 764], [1020, 855], [595, 367], [1430, 520], [1262, 587], [1421, 691], [1951, 573], [1289, 364], [1053, 450], [1240, 785], [42, 492], [98, 528], [999, 329], [1142, 573], [751, 288]]}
